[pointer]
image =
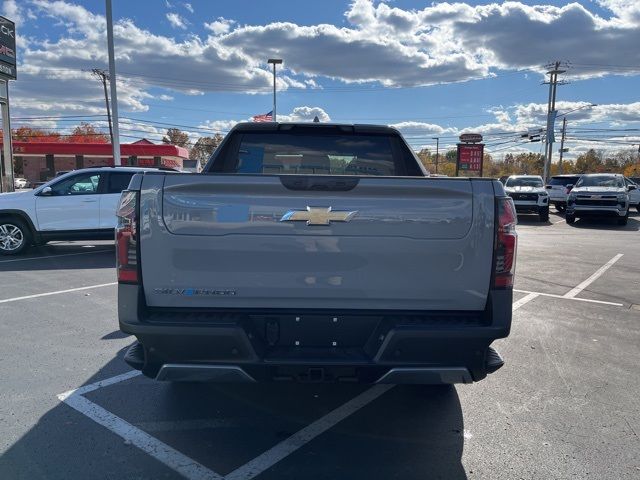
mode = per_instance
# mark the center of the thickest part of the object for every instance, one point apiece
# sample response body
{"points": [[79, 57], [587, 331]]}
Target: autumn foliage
{"points": [[83, 133]]}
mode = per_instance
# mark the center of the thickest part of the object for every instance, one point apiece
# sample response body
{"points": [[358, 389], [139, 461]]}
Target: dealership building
{"points": [[39, 162]]}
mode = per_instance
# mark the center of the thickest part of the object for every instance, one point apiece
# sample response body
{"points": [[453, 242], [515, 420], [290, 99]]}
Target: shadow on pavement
{"points": [[60, 257], [409, 432], [633, 224]]}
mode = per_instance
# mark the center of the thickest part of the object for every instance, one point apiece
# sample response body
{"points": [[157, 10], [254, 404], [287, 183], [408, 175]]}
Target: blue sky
{"points": [[432, 69]]}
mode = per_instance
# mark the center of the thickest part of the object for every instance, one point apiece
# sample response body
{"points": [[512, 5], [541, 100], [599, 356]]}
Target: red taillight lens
{"points": [[127, 237], [506, 244]]}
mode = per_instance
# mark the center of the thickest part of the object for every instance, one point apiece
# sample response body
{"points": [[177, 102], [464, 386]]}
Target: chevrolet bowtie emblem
{"points": [[317, 216]]}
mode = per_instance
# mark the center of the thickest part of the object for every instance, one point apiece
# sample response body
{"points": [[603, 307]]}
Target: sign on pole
{"points": [[7, 49], [470, 157]]}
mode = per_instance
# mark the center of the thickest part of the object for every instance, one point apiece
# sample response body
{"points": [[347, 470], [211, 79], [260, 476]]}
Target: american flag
{"points": [[267, 117]]}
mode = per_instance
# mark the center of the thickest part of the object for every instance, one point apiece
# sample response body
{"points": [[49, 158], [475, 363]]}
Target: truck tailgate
{"points": [[243, 241]]}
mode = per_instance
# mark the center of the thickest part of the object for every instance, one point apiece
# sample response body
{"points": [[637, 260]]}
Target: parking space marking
{"points": [[55, 256], [559, 221], [285, 448], [57, 292], [524, 300], [162, 452], [575, 291], [570, 298]]}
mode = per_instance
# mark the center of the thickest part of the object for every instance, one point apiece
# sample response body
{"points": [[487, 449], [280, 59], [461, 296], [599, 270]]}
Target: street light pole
{"points": [[274, 62], [112, 81], [564, 132], [437, 139]]}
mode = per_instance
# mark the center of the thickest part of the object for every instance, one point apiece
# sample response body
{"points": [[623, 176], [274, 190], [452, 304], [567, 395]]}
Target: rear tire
{"points": [[15, 236], [570, 219], [543, 214]]}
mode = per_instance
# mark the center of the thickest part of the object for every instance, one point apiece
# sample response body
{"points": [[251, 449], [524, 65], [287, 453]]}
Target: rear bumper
{"points": [[376, 347]]}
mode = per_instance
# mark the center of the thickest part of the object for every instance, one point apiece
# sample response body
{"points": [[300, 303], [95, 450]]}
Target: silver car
{"points": [[600, 195]]}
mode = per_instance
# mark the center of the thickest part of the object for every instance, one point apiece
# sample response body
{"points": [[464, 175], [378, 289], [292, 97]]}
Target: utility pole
{"points": [[103, 77], [554, 70], [115, 142], [274, 62], [562, 150], [437, 139]]}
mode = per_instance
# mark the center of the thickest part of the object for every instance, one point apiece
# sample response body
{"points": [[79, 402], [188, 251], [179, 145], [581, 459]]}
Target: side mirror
{"points": [[570, 186], [46, 192], [632, 187]]}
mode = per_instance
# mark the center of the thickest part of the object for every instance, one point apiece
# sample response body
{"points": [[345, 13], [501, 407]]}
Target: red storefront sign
{"points": [[470, 157]]}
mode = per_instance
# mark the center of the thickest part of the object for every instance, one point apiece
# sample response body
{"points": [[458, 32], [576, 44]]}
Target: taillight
{"points": [[505, 244], [127, 237]]}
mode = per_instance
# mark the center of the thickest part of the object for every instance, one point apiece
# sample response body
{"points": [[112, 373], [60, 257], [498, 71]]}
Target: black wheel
{"points": [[570, 219], [543, 214], [15, 236], [638, 208], [623, 221]]}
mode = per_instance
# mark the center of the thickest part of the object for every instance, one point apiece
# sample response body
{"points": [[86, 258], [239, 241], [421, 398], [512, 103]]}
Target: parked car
{"points": [[634, 193], [79, 205], [599, 194], [19, 183], [558, 189], [529, 195], [315, 252]]}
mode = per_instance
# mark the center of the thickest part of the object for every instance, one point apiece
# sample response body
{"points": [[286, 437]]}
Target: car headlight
{"points": [[622, 197]]}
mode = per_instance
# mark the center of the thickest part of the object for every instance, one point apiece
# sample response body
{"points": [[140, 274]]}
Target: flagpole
{"points": [[274, 62]]}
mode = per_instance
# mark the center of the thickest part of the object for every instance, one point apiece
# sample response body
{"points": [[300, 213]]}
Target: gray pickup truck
{"points": [[315, 252]]}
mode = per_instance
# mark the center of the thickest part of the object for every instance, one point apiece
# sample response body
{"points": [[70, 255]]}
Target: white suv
{"points": [[79, 205], [528, 194], [558, 189], [600, 194]]}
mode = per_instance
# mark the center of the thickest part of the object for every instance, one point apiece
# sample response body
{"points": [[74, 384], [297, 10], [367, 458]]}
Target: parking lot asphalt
{"points": [[565, 405]]}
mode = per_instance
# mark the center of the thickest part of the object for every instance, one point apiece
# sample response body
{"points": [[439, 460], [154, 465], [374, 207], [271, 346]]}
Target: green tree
{"points": [[175, 136], [204, 147], [588, 162]]}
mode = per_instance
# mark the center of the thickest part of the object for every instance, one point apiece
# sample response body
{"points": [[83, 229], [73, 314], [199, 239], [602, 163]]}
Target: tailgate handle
{"points": [[319, 183]]}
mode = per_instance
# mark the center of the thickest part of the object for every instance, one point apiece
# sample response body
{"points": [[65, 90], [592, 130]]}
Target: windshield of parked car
{"points": [[563, 181], [600, 181], [524, 182]]}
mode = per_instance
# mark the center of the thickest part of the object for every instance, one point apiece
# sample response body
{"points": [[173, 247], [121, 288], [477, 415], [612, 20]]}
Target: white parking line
{"points": [[570, 298], [57, 292], [285, 448], [559, 221], [162, 452], [524, 300], [55, 256], [575, 291]]}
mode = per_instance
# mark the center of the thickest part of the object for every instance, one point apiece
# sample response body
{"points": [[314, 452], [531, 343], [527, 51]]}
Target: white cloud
{"points": [[305, 114], [219, 26], [420, 128], [11, 10], [165, 97], [177, 21], [189, 7]]}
